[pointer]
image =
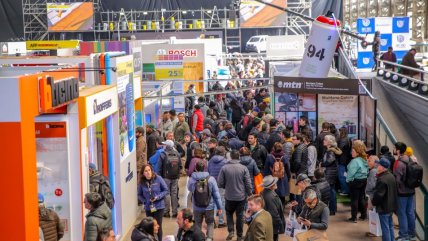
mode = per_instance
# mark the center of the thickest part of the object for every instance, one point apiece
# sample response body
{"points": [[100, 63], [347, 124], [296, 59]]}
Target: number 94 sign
{"points": [[314, 52]]}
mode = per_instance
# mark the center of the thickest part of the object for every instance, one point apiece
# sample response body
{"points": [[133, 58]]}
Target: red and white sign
{"points": [[184, 52], [58, 192]]}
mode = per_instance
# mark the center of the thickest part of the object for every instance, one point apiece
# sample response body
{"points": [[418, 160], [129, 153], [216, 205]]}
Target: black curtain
{"points": [[147, 5], [12, 26]]}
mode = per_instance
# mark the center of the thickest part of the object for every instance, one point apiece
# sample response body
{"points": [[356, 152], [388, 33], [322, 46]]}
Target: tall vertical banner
{"points": [[52, 169], [368, 122], [125, 90], [394, 32], [341, 110]]}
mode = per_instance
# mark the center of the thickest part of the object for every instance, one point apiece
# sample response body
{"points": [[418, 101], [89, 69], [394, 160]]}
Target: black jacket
{"points": [[193, 234], [273, 138], [152, 138], [259, 155], [299, 159], [344, 144], [391, 159], [324, 188], [307, 131], [385, 194], [330, 163], [320, 145], [274, 206], [137, 235]]}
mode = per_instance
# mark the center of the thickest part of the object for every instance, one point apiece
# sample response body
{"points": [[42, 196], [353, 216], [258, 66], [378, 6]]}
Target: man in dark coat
{"points": [[385, 153], [323, 186], [188, 231], [409, 60], [273, 205], [258, 152], [152, 138], [99, 216], [320, 140], [385, 198]]}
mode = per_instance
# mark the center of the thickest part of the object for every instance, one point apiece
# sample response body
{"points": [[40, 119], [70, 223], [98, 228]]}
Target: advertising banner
{"points": [[52, 169], [368, 122], [194, 71], [255, 14], [52, 44], [125, 91], [341, 110], [169, 67], [316, 85], [395, 32], [70, 16], [285, 46]]}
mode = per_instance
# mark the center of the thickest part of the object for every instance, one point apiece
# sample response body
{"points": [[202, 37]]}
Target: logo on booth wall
{"points": [[366, 60], [366, 22], [383, 42], [289, 85], [400, 23], [184, 52], [400, 38], [161, 52], [101, 107]]}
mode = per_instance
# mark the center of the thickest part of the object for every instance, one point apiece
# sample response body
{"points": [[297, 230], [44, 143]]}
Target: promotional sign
{"points": [[125, 91], [13, 48], [96, 104], [316, 85], [52, 169], [52, 44], [194, 71], [70, 16], [368, 122], [169, 67], [395, 33], [255, 14], [285, 46], [56, 93], [341, 110]]}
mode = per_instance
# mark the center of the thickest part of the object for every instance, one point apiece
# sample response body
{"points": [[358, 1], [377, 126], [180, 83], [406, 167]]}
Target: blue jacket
{"points": [[357, 169], [251, 165], [212, 184], [215, 164], [153, 160], [283, 189], [158, 189]]}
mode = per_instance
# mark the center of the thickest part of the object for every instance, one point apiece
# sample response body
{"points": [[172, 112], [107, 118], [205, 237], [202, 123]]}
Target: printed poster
{"points": [[368, 122], [341, 110], [52, 169], [256, 14], [125, 90], [194, 71]]}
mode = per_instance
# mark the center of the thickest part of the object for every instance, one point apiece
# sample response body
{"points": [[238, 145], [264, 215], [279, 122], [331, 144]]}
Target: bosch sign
{"points": [[184, 52]]}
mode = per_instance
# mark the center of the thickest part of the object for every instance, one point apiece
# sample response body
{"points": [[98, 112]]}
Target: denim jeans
{"points": [[171, 199], [387, 227], [221, 216], [332, 205], [342, 180], [406, 216], [209, 220], [231, 208]]}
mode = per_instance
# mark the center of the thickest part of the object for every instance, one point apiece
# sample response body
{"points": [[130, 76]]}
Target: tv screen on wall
{"points": [[70, 17]]}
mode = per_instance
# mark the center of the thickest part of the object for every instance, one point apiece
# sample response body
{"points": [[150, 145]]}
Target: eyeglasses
{"points": [[311, 203]]}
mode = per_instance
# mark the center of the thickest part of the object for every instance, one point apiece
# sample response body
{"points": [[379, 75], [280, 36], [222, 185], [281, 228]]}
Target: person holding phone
{"points": [[315, 213], [152, 190]]}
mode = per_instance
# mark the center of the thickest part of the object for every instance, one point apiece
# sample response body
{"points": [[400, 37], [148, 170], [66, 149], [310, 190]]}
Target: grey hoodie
{"points": [[235, 179], [251, 165], [400, 177]]}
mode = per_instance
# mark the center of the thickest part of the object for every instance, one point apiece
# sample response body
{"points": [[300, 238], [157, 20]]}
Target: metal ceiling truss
{"points": [[417, 10], [296, 24]]}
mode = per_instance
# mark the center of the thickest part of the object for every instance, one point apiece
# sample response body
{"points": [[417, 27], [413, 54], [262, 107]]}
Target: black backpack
{"points": [[172, 165], [414, 174], [202, 193], [101, 186]]}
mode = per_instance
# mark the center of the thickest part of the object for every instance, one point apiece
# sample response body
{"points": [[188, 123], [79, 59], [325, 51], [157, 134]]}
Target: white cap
{"points": [[168, 143]]}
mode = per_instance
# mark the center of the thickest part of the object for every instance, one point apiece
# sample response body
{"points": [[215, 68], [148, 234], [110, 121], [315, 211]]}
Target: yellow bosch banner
{"points": [[172, 73], [52, 45]]}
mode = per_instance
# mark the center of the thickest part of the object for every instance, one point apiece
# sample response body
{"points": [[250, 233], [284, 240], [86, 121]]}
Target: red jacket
{"points": [[200, 120]]}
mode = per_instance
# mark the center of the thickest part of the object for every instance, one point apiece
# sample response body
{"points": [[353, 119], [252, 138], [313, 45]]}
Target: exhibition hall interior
{"points": [[197, 120]]}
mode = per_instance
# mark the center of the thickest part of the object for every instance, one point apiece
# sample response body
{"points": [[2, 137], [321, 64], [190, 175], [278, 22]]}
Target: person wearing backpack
{"points": [[406, 193], [99, 183], [205, 198], [249, 162], [169, 167], [278, 166]]}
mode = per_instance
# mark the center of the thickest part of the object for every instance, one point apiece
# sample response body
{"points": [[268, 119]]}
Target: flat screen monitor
{"points": [[70, 17]]}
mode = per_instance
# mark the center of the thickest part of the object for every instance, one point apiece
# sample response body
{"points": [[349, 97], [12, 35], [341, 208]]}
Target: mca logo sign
{"points": [[366, 25], [400, 25], [366, 22], [400, 38]]}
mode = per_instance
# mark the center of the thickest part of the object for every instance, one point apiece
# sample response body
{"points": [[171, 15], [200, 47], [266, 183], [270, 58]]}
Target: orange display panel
{"points": [[70, 16]]}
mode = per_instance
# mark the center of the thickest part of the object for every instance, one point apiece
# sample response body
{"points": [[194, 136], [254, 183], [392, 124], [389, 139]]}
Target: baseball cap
{"points": [[40, 198], [256, 109], [168, 143], [383, 162], [301, 177], [151, 126], [92, 166], [188, 134], [206, 132]]}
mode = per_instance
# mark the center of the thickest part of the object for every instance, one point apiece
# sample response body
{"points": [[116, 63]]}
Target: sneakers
{"points": [[401, 239], [352, 220], [221, 225], [230, 236], [413, 238], [166, 215], [343, 194], [361, 218]]}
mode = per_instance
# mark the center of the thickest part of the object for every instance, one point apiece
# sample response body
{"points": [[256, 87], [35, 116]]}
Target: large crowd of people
{"points": [[230, 147]]}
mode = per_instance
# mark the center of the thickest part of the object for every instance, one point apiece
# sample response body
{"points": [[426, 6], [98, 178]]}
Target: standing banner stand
{"points": [[332, 100]]}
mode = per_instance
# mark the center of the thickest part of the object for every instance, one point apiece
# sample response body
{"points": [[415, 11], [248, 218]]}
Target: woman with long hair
{"points": [[198, 156], [344, 144], [146, 230], [329, 161], [357, 180], [152, 190]]}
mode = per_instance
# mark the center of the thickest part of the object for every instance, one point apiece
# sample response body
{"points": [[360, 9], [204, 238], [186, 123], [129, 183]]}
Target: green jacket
{"points": [[96, 220], [357, 169], [180, 130]]}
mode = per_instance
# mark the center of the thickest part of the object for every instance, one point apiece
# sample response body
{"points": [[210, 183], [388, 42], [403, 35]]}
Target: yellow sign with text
{"points": [[172, 73], [52, 45]]}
